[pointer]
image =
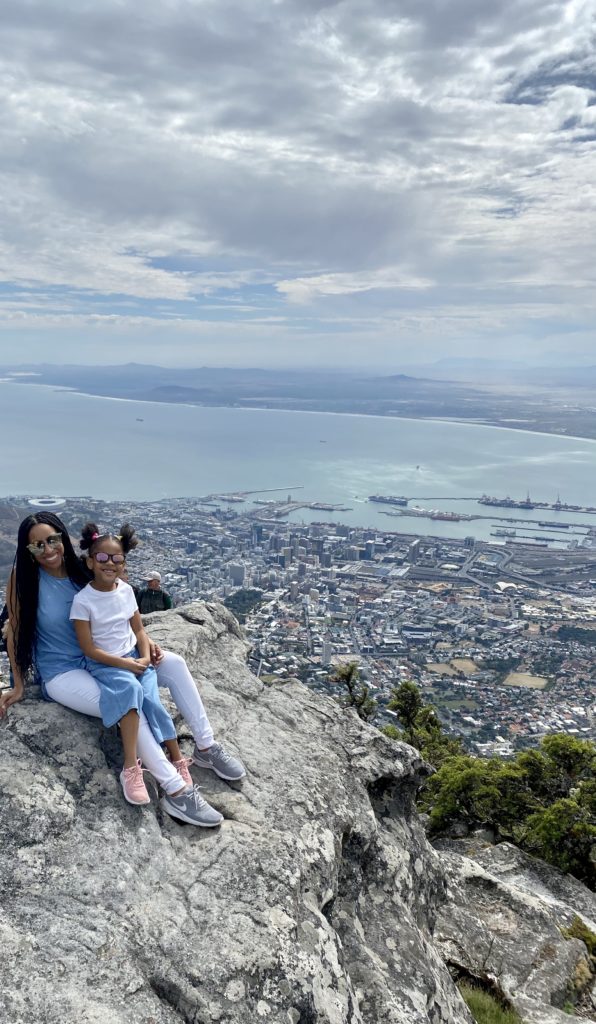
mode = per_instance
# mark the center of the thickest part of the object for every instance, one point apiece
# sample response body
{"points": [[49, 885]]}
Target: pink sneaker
{"points": [[133, 785], [181, 767]]}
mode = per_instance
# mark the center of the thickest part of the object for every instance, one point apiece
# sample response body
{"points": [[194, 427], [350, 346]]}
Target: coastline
{"points": [[238, 406]]}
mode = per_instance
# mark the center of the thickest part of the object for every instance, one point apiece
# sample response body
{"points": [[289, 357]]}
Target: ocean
{"points": [[61, 443]]}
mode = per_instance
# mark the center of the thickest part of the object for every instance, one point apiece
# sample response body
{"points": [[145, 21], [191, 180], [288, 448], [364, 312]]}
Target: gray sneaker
{"points": [[219, 761], [191, 807]]}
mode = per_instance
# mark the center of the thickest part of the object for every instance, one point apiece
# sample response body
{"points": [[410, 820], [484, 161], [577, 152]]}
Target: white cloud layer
{"points": [[190, 181]]}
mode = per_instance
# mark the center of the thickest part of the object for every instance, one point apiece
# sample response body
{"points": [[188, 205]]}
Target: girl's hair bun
{"points": [[127, 538], [89, 533]]}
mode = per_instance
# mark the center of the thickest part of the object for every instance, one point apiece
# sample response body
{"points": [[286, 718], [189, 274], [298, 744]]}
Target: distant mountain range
{"points": [[132, 378]]}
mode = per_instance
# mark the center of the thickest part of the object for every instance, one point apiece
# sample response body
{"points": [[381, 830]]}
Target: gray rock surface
{"points": [[314, 902], [502, 923]]}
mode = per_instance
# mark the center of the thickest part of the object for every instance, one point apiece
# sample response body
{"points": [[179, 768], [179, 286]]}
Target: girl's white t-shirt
{"points": [[108, 613]]}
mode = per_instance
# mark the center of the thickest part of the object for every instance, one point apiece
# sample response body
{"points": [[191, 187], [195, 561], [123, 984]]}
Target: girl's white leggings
{"points": [[79, 691]]}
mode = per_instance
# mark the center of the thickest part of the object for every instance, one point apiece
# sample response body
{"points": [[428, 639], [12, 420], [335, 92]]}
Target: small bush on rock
{"points": [[486, 1008]]}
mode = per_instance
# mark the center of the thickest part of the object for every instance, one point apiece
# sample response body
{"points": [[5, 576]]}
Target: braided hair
{"points": [[25, 593]]}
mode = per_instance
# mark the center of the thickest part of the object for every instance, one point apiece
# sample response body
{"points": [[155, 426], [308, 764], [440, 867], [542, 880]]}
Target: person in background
{"points": [[152, 598]]}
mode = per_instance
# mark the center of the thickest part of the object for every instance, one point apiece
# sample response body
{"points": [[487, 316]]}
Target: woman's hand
{"points": [[155, 652], [10, 697]]}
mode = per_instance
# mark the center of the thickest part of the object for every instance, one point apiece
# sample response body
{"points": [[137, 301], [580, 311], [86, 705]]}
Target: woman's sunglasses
{"points": [[103, 557], [53, 540]]}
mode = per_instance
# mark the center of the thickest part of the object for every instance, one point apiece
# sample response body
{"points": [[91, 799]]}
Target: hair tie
{"points": [[94, 536]]}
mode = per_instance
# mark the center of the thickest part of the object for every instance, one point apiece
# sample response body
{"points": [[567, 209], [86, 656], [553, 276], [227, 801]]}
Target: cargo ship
{"points": [[529, 503], [508, 502], [389, 499]]}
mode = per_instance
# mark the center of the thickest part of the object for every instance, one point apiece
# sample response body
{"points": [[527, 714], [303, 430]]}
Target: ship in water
{"points": [[503, 533], [508, 502], [389, 499], [530, 503]]}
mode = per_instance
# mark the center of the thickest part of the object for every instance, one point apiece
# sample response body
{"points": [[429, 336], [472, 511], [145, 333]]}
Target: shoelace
{"points": [[184, 762], [134, 774], [199, 800], [221, 753]]}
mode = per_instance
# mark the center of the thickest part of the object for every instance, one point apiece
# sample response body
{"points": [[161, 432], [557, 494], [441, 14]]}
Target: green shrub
{"points": [[578, 930], [543, 800], [486, 1008]]}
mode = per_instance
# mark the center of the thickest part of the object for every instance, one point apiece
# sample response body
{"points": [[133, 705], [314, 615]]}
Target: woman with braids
{"points": [[46, 577]]}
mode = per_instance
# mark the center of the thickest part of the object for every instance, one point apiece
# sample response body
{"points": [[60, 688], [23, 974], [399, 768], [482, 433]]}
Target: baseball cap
{"points": [[153, 576]]}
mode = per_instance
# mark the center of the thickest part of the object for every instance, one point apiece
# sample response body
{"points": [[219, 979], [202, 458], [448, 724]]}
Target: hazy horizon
{"points": [[549, 362]]}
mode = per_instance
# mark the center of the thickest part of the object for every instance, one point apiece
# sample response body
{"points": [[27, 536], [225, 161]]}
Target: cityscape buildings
{"points": [[499, 637]]}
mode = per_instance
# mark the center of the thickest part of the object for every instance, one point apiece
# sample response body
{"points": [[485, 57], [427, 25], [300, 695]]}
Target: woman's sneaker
{"points": [[191, 807], [133, 785], [219, 761], [182, 767]]}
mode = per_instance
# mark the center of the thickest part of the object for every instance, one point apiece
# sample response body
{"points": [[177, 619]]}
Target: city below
{"points": [[499, 637]]}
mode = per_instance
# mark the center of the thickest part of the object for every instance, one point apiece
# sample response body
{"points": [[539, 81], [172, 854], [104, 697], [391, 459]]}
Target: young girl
{"points": [[111, 635]]}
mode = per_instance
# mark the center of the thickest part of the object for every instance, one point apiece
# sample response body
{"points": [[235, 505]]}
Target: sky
{"points": [[297, 182]]}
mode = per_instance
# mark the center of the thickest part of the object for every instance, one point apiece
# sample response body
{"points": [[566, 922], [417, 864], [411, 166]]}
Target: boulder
{"points": [[504, 922], [315, 901]]}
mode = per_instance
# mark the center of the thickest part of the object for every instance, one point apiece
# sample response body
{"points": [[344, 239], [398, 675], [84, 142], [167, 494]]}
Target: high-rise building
{"points": [[236, 572]]}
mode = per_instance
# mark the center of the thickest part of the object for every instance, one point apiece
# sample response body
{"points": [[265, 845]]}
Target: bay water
{"points": [[60, 443]]}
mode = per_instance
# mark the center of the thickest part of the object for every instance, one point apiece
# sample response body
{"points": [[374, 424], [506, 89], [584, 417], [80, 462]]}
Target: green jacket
{"points": [[153, 601]]}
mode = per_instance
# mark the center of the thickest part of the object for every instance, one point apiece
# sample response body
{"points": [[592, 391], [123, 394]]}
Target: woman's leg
{"points": [[172, 672], [76, 690], [79, 691]]}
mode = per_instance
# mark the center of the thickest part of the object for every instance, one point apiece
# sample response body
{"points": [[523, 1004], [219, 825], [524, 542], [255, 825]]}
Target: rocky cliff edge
{"points": [[316, 900]]}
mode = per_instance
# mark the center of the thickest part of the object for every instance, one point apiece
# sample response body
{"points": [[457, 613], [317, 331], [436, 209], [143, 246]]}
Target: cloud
{"points": [[305, 289], [310, 164]]}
